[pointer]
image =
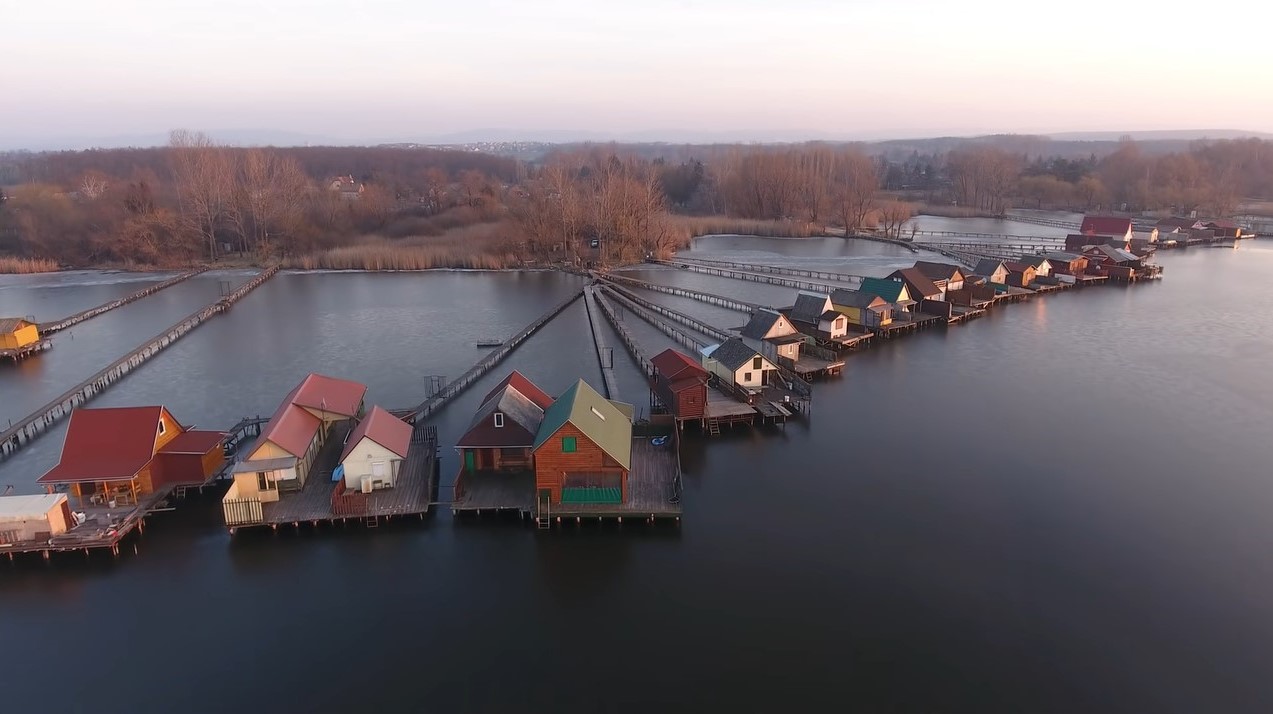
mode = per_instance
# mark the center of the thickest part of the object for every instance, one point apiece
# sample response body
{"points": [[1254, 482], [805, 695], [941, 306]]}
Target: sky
{"points": [[415, 70]]}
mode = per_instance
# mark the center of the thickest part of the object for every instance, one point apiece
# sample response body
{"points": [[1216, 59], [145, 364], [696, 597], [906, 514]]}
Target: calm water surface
{"points": [[1059, 507]]}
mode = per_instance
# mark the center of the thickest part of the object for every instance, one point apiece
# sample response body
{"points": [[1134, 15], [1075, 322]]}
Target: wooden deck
{"points": [[653, 488], [104, 528], [494, 491]]}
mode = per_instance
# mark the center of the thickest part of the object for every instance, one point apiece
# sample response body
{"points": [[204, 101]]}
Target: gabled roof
{"points": [[291, 428], [1177, 222], [858, 299], [106, 444], [809, 307], [1105, 225], [601, 421], [675, 365], [1062, 256], [12, 324], [338, 396], [383, 428], [1034, 261], [528, 389], [734, 353], [1222, 223], [761, 322], [917, 283], [890, 290], [522, 418], [1115, 254], [1017, 267], [939, 271], [194, 442], [987, 266]]}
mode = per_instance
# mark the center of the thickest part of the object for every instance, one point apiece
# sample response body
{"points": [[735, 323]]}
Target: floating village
{"points": [[326, 457]]}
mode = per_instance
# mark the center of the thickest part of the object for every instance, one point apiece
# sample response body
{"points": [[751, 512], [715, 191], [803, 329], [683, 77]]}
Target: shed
{"points": [[944, 275], [993, 270], [375, 450], [25, 518], [865, 310], [917, 284], [1020, 274], [737, 363], [1117, 226], [16, 333], [680, 384]]}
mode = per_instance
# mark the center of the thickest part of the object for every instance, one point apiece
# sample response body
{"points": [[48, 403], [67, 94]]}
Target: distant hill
{"points": [[1161, 135]]}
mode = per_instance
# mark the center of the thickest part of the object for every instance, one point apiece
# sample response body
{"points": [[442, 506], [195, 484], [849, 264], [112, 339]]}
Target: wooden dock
{"points": [[708, 298], [453, 388], [605, 357], [494, 492], [768, 278], [674, 315], [321, 500], [36, 423], [654, 489], [21, 353], [851, 279], [48, 328]]}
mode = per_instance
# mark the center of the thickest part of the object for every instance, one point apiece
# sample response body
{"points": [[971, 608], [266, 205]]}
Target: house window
{"points": [[162, 428], [262, 484], [499, 420], [568, 445], [755, 363], [839, 322], [746, 377]]}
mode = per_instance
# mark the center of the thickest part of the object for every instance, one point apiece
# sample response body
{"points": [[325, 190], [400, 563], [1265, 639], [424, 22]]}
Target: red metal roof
{"points": [[106, 444], [671, 363], [1105, 225], [383, 428], [528, 389], [292, 428], [339, 396], [194, 442]]}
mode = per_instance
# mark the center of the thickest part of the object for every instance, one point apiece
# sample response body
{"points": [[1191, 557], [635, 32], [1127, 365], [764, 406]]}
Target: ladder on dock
{"points": [[543, 516], [713, 427]]}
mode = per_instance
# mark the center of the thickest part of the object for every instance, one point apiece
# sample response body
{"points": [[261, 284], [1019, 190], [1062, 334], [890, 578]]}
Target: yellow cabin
{"points": [[16, 333]]}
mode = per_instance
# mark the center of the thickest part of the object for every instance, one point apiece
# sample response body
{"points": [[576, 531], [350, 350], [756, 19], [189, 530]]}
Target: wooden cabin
{"points": [[1224, 228], [501, 435], [679, 384], [894, 293], [918, 285], [583, 450], [864, 310], [123, 454], [1116, 226], [816, 316], [944, 276], [738, 364], [283, 455], [17, 333], [374, 451], [1174, 224], [1020, 274], [1104, 255], [773, 335], [34, 518], [1067, 263], [1042, 266], [993, 270]]}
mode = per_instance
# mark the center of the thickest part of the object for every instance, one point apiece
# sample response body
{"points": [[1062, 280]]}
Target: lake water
{"points": [[1061, 506]]}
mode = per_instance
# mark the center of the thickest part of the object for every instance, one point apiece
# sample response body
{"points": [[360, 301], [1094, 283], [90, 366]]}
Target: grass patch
{"points": [[485, 246], [27, 265]]}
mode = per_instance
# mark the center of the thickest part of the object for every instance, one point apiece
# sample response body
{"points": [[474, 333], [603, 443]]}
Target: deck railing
{"points": [[348, 503]]}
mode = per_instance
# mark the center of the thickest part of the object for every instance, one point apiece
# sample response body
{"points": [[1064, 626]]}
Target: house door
{"points": [[470, 464]]}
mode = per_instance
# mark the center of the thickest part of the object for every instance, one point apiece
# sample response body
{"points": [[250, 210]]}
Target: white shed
{"points": [[375, 451], [24, 518]]}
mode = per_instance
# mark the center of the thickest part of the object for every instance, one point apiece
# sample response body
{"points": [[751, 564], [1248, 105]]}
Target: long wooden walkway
{"points": [[991, 237], [605, 357], [48, 328], [769, 278], [37, 422], [1040, 221], [674, 315], [709, 298], [849, 280], [456, 386]]}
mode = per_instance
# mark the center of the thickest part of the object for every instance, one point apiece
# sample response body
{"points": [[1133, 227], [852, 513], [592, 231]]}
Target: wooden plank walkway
{"points": [[674, 315], [37, 422], [634, 349], [48, 328], [768, 278], [494, 491], [605, 357], [851, 279], [453, 388], [709, 298], [653, 488]]}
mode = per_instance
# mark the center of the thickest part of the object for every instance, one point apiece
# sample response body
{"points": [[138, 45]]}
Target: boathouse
{"points": [[583, 450], [773, 335], [1042, 266], [679, 385], [281, 458], [739, 365], [865, 310], [816, 316], [120, 455], [944, 276], [918, 285], [374, 452], [501, 435], [993, 270], [894, 292], [1225, 228], [1116, 226], [1020, 274], [34, 518], [1174, 224], [17, 333]]}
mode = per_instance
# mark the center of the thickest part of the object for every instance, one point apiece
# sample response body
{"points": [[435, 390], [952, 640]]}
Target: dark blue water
{"points": [[1059, 507]]}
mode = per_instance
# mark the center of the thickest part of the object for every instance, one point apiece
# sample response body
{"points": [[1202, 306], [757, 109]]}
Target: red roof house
{"points": [[1107, 226], [502, 431], [528, 389], [375, 449], [290, 440], [679, 384], [125, 453]]}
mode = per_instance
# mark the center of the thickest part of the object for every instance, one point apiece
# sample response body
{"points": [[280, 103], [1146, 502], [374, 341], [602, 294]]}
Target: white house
{"points": [[773, 335], [818, 316], [375, 451], [736, 362]]}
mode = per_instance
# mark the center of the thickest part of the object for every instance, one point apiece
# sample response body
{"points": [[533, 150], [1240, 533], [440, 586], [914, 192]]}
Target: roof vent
{"points": [[600, 416]]}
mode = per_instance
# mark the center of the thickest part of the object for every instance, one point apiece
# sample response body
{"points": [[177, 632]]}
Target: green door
{"points": [[468, 460]]}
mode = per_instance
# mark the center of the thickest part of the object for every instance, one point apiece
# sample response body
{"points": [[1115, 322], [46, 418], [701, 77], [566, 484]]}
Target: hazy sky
{"points": [[388, 69]]}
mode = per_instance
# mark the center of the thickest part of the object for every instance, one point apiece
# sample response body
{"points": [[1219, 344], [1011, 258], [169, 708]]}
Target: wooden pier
{"points": [[654, 489], [321, 500], [25, 351], [599, 343], [674, 315], [36, 423], [1040, 221], [850, 279], [456, 386], [769, 278], [48, 328], [709, 298]]}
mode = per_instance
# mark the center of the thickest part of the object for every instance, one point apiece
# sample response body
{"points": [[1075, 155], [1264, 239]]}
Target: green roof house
{"points": [[583, 449]]}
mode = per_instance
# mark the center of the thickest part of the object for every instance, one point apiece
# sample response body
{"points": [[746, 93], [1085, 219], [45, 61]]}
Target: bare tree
{"points": [[853, 189], [203, 175]]}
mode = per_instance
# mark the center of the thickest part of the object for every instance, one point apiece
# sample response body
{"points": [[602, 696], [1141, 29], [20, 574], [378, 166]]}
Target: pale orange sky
{"points": [[397, 70]]}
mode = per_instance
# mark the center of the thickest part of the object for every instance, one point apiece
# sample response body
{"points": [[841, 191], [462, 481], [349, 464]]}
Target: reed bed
{"points": [[27, 265]]}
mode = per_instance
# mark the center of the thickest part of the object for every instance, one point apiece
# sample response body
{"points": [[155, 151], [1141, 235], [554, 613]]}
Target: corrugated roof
{"points": [[809, 307], [890, 290], [602, 422], [329, 394], [12, 324], [383, 428], [108, 444], [194, 442], [292, 428], [734, 353], [857, 298], [671, 363], [18, 508], [1105, 225], [528, 388]]}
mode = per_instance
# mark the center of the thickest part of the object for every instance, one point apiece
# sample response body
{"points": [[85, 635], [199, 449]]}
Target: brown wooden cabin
{"points": [[1020, 275], [502, 433], [679, 384], [583, 452], [1067, 263], [124, 454]]}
